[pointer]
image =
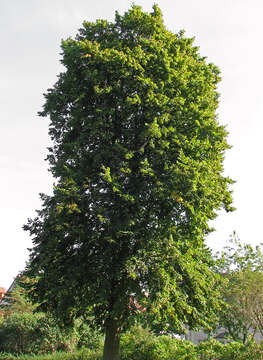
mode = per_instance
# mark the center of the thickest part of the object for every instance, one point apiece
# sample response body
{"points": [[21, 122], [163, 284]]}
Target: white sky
{"points": [[228, 32]]}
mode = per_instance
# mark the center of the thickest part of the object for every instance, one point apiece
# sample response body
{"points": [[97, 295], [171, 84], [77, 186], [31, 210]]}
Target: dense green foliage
{"points": [[141, 344], [138, 157], [39, 334], [25, 332]]}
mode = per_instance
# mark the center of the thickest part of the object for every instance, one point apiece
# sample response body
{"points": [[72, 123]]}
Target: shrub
{"points": [[87, 337], [32, 333], [39, 334], [136, 344], [213, 350], [142, 344]]}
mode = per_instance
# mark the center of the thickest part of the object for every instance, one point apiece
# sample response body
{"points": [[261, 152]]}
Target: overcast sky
{"points": [[228, 32]]}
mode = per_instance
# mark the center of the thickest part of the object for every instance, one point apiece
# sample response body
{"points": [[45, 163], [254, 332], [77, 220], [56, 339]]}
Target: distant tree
{"points": [[241, 266], [17, 301], [138, 158], [239, 256]]}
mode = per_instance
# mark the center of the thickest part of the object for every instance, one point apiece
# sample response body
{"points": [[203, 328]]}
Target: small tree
{"points": [[17, 301], [242, 266], [138, 157]]}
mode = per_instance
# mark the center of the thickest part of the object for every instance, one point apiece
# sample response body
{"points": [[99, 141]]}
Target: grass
{"points": [[79, 355]]}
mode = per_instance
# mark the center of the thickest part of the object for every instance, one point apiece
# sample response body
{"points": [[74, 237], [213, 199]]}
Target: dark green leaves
{"points": [[137, 153]]}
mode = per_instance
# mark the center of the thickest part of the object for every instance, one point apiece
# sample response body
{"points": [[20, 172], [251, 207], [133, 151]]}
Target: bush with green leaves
{"points": [[33, 333], [22, 331], [214, 350], [87, 337], [142, 344]]}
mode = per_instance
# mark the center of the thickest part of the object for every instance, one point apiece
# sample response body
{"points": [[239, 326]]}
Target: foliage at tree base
{"points": [[142, 344], [27, 333]]}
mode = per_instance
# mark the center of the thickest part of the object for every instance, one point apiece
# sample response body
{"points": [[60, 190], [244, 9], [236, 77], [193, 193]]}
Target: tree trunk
{"points": [[111, 349]]}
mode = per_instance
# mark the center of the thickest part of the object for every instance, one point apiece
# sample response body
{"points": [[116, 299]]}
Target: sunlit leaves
{"points": [[138, 157]]}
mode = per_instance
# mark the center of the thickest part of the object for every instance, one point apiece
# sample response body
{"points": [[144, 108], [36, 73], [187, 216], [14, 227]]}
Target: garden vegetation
{"points": [[142, 344]]}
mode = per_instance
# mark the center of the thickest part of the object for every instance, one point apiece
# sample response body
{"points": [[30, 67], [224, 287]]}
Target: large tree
{"points": [[138, 158]]}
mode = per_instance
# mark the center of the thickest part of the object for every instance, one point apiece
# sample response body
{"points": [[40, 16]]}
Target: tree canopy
{"points": [[138, 159]]}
